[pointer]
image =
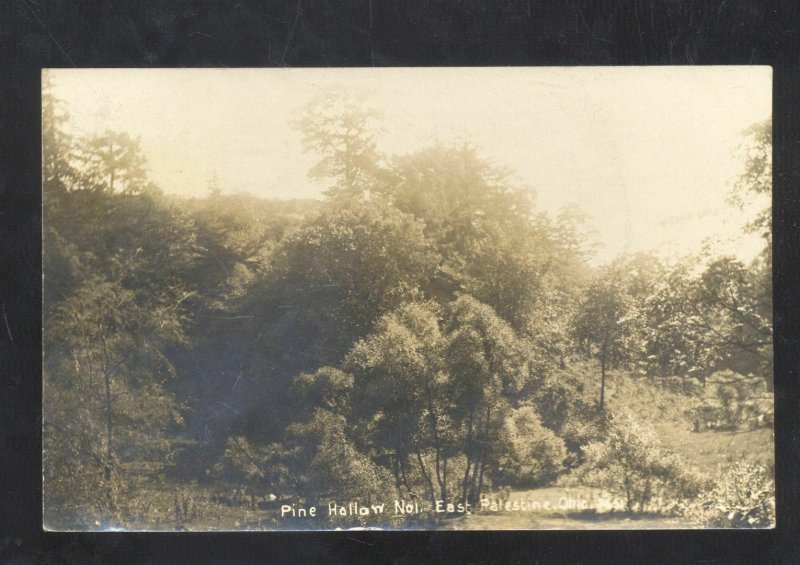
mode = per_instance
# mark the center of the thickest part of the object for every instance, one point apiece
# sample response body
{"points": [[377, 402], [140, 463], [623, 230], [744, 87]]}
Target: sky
{"points": [[648, 153]]}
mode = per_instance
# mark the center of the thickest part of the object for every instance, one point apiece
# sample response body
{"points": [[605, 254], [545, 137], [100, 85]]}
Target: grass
{"points": [[706, 451], [712, 451]]}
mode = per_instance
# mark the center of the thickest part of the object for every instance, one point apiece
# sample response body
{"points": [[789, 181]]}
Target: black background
{"points": [[35, 34]]}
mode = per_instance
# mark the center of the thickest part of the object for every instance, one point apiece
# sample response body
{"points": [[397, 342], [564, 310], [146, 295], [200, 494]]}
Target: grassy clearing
{"points": [[665, 410], [712, 451]]}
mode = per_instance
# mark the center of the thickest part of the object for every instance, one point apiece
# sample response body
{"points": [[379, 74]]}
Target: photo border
{"points": [[314, 33]]}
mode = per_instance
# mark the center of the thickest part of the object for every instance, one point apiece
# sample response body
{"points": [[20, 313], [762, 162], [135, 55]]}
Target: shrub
{"points": [[732, 400], [578, 431], [530, 454], [743, 498], [631, 464], [327, 388], [242, 461], [329, 468], [562, 407]]}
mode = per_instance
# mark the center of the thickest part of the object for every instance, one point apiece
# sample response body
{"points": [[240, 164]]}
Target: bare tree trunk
{"points": [[474, 480], [468, 453], [427, 478], [109, 448], [480, 478], [396, 473], [628, 494], [484, 449], [444, 479], [645, 496], [435, 432], [113, 168], [403, 474], [108, 408], [107, 371], [602, 378]]}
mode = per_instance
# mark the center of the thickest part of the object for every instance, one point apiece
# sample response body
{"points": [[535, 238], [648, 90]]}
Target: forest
{"points": [[423, 338]]}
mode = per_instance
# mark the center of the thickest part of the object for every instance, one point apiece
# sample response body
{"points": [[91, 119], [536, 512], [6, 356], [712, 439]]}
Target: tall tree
{"points": [[111, 162], [115, 262], [676, 341], [111, 350], [718, 310], [343, 131], [755, 181], [489, 368], [57, 146], [607, 323], [733, 303], [402, 392], [492, 243], [754, 311], [332, 279]]}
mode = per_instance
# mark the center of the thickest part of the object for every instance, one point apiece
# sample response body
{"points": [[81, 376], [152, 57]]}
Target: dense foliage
{"points": [[742, 498], [631, 463], [411, 336]]}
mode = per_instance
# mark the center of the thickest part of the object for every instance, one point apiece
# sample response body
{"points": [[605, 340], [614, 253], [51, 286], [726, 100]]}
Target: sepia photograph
{"points": [[497, 298]]}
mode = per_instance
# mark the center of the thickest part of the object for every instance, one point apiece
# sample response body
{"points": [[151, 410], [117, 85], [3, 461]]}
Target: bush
{"points": [[76, 493], [530, 454], [562, 407], [329, 468], [327, 388], [578, 431], [242, 461], [743, 498], [631, 464], [732, 400]]}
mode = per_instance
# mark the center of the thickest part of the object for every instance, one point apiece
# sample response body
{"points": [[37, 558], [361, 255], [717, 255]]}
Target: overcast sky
{"points": [[648, 153]]}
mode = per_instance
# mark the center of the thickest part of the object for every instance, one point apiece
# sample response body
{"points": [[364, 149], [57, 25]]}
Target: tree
{"points": [[324, 464], [327, 388], [402, 392], [343, 132], [607, 323], [432, 391], [483, 226], [115, 261], [214, 190], [111, 162], [575, 240], [631, 462], [715, 311], [733, 304], [676, 341], [58, 174], [753, 308], [529, 453], [107, 352], [145, 240], [756, 179], [332, 279], [489, 368], [456, 191]]}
